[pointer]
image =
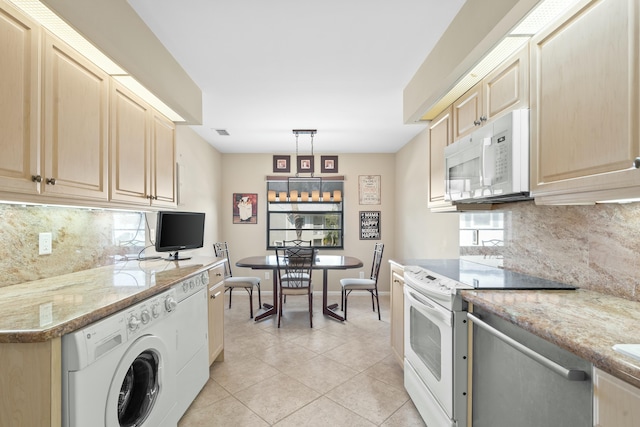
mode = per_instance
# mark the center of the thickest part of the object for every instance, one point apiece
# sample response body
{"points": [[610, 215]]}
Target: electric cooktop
{"points": [[482, 276]]}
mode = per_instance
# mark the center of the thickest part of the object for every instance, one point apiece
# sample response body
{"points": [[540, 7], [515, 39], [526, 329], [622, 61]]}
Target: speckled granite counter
{"points": [[583, 322], [44, 309]]}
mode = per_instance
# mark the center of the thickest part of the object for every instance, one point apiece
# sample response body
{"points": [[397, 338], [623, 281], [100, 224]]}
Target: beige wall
{"points": [[420, 233], [246, 173]]}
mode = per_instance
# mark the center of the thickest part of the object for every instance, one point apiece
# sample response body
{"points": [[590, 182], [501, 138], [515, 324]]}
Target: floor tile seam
{"points": [[352, 411], [395, 412], [245, 387], [251, 410]]}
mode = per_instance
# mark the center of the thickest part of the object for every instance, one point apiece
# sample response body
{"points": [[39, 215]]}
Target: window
{"points": [[306, 209]]}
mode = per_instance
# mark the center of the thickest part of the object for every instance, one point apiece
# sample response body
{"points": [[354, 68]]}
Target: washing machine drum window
{"points": [[139, 390]]}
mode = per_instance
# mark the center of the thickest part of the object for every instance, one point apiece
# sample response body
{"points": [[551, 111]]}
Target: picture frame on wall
{"points": [[281, 164], [369, 225], [369, 189], [329, 164], [305, 164], [245, 208]]}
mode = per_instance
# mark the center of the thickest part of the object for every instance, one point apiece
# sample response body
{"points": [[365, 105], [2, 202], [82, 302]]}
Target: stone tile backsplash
{"points": [[82, 239], [593, 247]]}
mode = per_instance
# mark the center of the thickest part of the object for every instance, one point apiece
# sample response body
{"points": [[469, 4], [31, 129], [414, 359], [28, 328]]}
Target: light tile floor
{"points": [[338, 374]]}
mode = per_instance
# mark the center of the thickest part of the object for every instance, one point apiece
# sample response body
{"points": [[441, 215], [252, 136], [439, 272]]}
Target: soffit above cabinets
{"points": [[480, 37]]}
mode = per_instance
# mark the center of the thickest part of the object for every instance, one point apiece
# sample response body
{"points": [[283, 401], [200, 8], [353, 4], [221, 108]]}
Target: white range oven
{"points": [[435, 347]]}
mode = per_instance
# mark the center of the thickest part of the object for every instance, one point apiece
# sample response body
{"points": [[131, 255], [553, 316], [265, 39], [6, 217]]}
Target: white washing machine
{"points": [[120, 371]]}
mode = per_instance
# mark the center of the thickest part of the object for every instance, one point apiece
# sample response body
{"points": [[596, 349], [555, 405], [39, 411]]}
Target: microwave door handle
{"points": [[483, 173], [442, 315]]}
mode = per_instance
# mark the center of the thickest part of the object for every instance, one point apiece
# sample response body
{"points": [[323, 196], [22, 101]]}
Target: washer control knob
{"points": [[155, 310], [133, 323], [191, 284], [170, 304], [145, 317], [185, 286]]}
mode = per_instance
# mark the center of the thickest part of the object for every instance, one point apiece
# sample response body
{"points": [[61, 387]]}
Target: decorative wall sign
{"points": [[281, 164], [305, 164], [369, 225], [245, 208], [329, 164], [369, 189]]}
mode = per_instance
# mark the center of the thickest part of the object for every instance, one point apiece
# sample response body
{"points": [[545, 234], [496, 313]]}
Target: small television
{"points": [[179, 231]]}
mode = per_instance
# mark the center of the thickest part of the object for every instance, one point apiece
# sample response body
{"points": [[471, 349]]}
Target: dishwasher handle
{"points": [[568, 374]]}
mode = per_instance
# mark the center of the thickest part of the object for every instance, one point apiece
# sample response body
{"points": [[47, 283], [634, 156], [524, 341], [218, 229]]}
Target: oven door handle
{"points": [[568, 374], [441, 314]]}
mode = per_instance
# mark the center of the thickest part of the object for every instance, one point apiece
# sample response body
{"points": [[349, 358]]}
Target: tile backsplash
{"points": [[593, 247], [81, 239]]}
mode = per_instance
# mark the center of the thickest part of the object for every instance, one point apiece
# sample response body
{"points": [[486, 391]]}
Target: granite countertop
{"points": [[586, 323], [48, 308]]}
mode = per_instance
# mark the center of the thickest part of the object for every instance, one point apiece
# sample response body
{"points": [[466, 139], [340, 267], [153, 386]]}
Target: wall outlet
{"points": [[44, 246], [152, 235], [266, 275]]}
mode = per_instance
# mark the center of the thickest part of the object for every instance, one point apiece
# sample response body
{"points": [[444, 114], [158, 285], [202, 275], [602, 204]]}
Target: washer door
{"points": [[142, 389]]}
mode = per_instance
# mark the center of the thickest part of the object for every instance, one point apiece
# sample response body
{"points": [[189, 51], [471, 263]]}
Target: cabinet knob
{"points": [[636, 163], [483, 118], [36, 178], [477, 122], [51, 181]]}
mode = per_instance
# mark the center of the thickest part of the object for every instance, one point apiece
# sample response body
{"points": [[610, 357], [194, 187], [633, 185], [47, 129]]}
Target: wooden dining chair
{"points": [[294, 275], [231, 282], [370, 284]]}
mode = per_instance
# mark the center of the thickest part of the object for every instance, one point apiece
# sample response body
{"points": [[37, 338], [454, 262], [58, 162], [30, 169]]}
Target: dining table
{"points": [[322, 262]]}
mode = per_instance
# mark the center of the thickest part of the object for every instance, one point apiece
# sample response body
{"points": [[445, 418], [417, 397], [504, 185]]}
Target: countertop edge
{"points": [[73, 324]]}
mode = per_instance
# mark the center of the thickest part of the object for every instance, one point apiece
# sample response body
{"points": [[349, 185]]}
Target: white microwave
{"points": [[492, 164]]}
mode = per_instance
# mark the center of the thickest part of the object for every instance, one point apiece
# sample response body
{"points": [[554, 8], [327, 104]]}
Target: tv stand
{"points": [[176, 257]]}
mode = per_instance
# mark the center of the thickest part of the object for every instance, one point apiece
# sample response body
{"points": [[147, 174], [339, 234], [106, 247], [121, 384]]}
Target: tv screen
{"points": [[177, 231]]}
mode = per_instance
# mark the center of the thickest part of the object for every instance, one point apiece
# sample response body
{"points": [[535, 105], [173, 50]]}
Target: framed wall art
{"points": [[369, 225], [369, 189], [329, 164], [245, 208], [305, 164], [281, 164]]}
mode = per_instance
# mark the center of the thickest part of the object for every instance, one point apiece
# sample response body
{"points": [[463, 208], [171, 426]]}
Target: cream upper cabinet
{"points": [[440, 135], [615, 402], [142, 152], [75, 140], [468, 112], [506, 88], [584, 105], [397, 313], [163, 144], [19, 91], [130, 174]]}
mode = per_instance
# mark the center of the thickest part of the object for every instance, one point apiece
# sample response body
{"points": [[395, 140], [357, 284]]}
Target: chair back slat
{"points": [[222, 251], [296, 242], [377, 261], [295, 265]]}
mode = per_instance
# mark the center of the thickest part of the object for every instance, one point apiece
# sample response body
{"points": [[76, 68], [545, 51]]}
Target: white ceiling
{"points": [[267, 67]]}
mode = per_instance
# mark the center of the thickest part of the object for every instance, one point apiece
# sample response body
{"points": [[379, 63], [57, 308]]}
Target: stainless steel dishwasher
{"points": [[521, 380]]}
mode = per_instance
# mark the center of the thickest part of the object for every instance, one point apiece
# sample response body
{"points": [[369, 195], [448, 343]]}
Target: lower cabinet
{"points": [[216, 314], [397, 312], [30, 378], [615, 402]]}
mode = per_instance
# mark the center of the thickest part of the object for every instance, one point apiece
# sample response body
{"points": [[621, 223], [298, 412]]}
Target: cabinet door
{"points": [[439, 137], [19, 89], [468, 112], [397, 313], [130, 152], [507, 87], [164, 184], [615, 402], [216, 314], [584, 103], [75, 124]]}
